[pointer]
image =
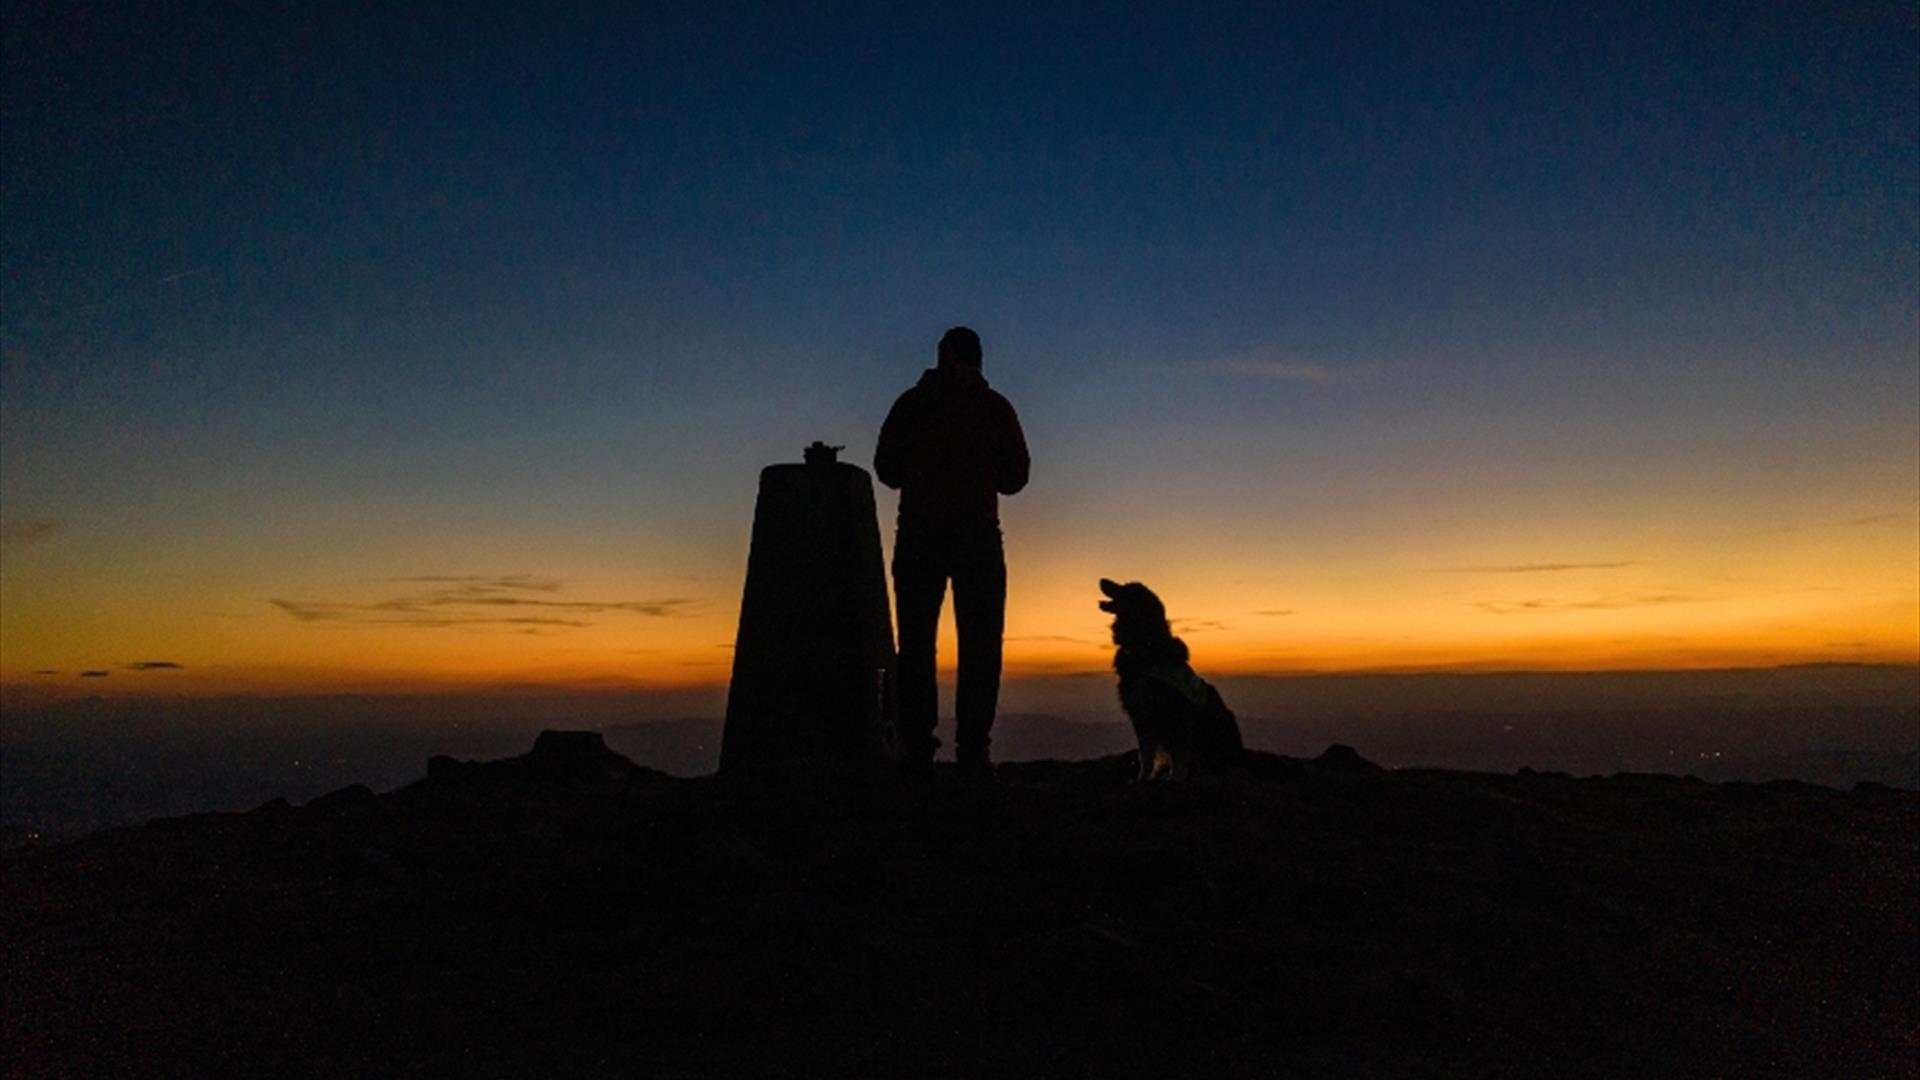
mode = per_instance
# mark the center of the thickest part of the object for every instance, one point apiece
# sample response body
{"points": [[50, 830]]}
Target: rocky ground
{"points": [[569, 914]]}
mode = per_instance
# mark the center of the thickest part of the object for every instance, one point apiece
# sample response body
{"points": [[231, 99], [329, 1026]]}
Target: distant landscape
{"points": [[71, 767]]}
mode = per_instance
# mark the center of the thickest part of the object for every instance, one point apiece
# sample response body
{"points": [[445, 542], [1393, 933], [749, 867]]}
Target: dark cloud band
{"points": [[474, 600]]}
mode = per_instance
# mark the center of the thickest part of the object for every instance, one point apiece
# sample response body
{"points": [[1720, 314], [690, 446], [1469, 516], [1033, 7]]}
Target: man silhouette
{"points": [[952, 446]]}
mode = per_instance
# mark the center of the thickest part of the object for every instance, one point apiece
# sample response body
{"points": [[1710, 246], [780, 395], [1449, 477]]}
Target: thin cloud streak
{"points": [[1265, 365], [660, 608], [30, 531], [1553, 607], [478, 600], [1277, 370], [480, 583], [155, 665], [385, 615], [1277, 365], [1539, 568], [1866, 521]]}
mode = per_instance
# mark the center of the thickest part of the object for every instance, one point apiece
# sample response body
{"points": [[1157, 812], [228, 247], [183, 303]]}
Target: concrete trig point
{"points": [[813, 660]]}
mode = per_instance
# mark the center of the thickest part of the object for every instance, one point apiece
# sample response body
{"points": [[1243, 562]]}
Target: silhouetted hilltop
{"points": [[568, 912], [73, 766]]}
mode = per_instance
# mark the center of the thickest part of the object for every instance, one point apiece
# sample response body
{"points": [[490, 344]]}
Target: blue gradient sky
{"points": [[1305, 311]]}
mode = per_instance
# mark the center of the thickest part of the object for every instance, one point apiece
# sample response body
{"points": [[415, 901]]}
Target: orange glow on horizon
{"points": [[268, 655], [1266, 597]]}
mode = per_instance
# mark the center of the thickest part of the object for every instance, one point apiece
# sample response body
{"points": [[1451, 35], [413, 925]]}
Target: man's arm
{"points": [[1010, 454], [893, 454]]}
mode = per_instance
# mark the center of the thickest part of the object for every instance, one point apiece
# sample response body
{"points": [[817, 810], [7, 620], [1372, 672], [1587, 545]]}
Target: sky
{"points": [[342, 347]]}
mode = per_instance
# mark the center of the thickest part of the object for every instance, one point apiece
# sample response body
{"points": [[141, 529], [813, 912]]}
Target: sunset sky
{"points": [[346, 349]]}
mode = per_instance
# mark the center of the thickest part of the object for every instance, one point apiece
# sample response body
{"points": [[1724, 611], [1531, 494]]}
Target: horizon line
{"points": [[14, 688]]}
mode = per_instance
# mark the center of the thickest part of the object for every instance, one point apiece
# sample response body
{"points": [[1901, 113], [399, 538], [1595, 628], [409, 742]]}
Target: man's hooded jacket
{"points": [[952, 445]]}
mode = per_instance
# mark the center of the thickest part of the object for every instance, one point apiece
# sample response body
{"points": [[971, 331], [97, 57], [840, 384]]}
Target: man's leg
{"points": [[919, 587], [979, 615]]}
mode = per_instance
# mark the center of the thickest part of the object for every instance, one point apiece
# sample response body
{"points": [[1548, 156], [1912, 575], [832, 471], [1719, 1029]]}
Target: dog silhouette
{"points": [[1177, 716]]}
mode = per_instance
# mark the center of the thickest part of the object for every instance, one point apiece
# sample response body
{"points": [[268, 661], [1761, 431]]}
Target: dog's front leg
{"points": [[1180, 743]]}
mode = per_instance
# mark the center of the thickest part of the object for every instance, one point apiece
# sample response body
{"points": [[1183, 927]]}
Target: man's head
{"points": [[960, 346]]}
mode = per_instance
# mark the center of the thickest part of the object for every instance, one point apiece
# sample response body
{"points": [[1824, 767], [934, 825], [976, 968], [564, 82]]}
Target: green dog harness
{"points": [[1181, 680]]}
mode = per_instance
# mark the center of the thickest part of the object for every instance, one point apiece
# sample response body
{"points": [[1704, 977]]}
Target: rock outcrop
{"points": [[557, 757]]}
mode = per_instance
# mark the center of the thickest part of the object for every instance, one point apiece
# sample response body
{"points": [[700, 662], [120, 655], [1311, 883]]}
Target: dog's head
{"points": [[1138, 615]]}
